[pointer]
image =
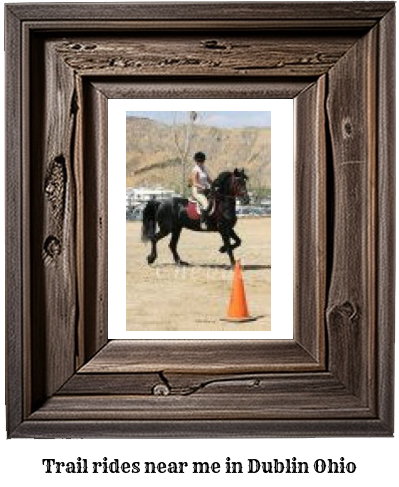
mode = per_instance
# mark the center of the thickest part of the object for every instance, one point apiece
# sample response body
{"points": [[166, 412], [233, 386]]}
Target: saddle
{"points": [[193, 209]]}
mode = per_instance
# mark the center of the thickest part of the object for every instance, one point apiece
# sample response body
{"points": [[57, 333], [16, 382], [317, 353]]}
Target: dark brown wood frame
{"points": [[63, 62]]}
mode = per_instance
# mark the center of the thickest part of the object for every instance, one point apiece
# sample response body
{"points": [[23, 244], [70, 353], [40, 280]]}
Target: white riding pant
{"points": [[200, 197]]}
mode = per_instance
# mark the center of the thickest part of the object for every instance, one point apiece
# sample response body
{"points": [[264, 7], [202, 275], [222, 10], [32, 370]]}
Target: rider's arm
{"points": [[208, 176]]}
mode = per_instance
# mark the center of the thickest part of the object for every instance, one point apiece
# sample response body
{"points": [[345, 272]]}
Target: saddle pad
{"points": [[193, 210]]}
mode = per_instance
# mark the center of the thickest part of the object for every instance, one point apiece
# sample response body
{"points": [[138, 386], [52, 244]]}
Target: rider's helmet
{"points": [[199, 157]]}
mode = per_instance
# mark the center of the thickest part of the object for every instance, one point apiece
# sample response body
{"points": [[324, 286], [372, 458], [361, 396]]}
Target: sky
{"points": [[228, 119]]}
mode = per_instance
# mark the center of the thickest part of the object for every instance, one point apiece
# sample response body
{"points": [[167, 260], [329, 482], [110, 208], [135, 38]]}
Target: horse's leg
{"points": [[237, 241], [163, 232], [173, 246], [223, 248], [236, 238], [225, 233]]}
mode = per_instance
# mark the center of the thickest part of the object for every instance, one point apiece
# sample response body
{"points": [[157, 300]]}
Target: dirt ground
{"points": [[167, 297]]}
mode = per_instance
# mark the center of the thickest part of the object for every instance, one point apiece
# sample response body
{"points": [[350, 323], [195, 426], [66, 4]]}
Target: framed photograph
{"points": [[67, 68], [197, 291]]}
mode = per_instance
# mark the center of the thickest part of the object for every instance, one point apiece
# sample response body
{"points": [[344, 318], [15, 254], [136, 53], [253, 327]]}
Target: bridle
{"points": [[236, 187]]}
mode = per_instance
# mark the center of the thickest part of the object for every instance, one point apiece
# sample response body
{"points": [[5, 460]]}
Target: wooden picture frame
{"points": [[335, 378]]}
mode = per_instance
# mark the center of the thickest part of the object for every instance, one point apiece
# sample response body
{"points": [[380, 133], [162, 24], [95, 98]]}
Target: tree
{"points": [[183, 145]]}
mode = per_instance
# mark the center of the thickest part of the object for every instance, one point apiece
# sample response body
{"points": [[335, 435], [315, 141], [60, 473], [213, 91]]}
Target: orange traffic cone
{"points": [[238, 309]]}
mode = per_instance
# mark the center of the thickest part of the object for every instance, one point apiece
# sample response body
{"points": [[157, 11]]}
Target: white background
{"points": [[282, 221], [376, 459]]}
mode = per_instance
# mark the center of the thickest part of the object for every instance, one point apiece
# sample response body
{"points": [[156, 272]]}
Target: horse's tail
{"points": [[149, 220]]}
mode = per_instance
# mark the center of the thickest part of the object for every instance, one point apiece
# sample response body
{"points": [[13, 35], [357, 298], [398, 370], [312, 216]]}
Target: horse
{"points": [[174, 214]]}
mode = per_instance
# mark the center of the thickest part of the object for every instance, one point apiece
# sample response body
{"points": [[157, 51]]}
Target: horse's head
{"points": [[239, 185], [232, 184]]}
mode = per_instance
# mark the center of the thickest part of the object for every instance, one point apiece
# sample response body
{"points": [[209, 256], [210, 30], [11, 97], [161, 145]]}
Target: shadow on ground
{"points": [[249, 267]]}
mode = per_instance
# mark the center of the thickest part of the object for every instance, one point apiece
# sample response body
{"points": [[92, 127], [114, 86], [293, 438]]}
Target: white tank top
{"points": [[202, 175]]}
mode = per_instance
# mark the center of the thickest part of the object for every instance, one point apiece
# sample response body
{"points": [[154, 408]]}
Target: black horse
{"points": [[175, 214]]}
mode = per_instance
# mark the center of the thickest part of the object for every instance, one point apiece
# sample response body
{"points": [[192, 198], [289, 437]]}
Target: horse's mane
{"points": [[221, 180]]}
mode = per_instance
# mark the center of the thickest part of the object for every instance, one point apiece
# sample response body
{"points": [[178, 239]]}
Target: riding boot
{"points": [[204, 220]]}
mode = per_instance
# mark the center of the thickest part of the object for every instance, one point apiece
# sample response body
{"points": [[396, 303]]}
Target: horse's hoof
{"points": [[150, 259], [222, 249], [183, 263]]}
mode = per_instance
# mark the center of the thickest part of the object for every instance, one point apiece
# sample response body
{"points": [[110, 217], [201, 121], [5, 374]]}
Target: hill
{"points": [[154, 153]]}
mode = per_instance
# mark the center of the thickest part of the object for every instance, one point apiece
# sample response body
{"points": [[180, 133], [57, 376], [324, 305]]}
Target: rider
{"points": [[201, 183]]}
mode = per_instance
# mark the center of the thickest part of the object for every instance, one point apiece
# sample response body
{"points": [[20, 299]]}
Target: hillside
{"points": [[153, 156]]}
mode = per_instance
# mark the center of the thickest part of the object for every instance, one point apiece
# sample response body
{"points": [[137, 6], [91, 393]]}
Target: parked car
{"points": [[251, 211], [135, 213]]}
